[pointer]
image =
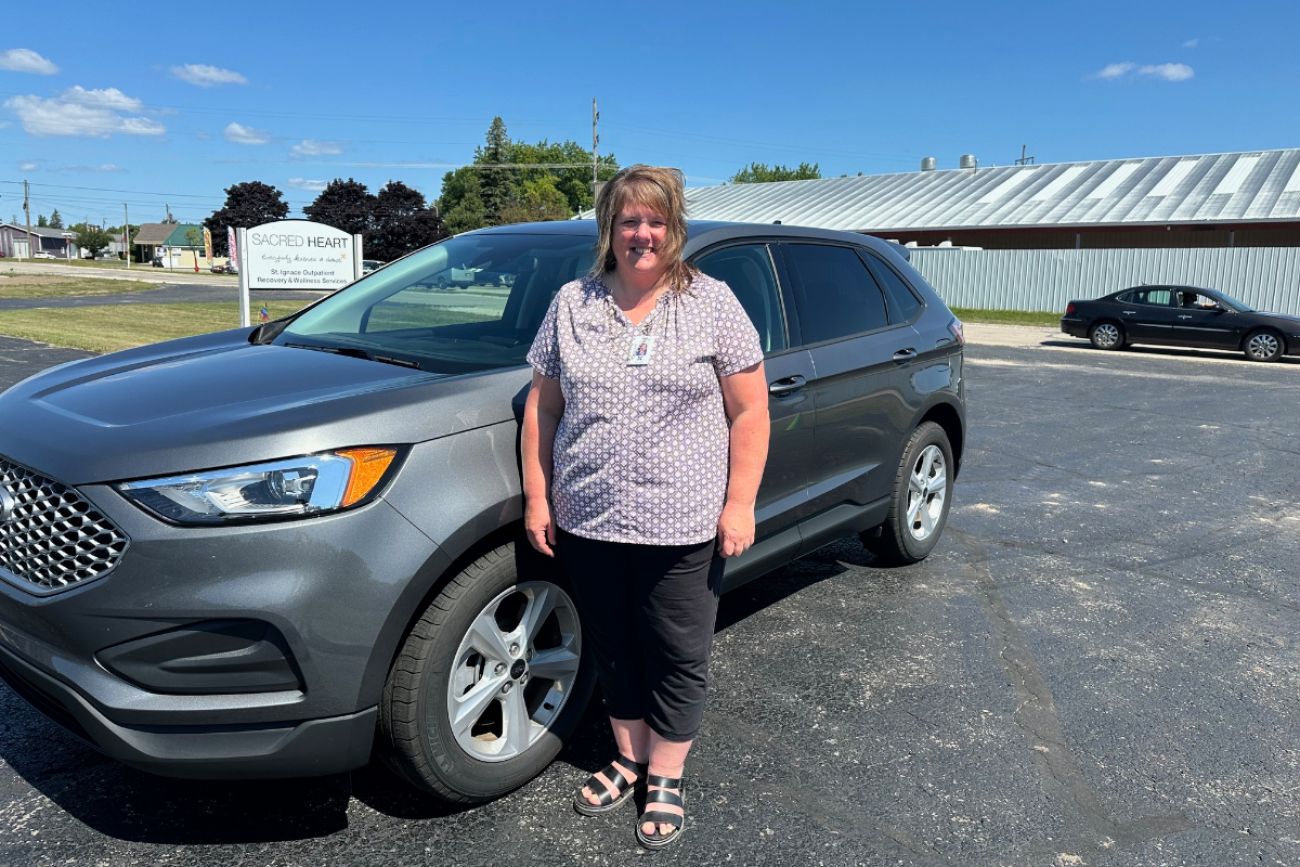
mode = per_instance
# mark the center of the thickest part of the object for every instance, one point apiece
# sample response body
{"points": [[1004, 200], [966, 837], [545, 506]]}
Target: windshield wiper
{"points": [[355, 352]]}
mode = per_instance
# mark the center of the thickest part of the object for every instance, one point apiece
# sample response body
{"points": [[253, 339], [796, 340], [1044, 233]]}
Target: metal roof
{"points": [[43, 231], [1255, 186]]}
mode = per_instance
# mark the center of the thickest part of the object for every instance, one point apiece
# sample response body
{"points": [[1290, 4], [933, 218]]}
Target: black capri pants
{"points": [[649, 612]]}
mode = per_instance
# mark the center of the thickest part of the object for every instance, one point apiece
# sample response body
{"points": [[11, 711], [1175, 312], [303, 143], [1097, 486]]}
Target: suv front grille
{"points": [[52, 538]]}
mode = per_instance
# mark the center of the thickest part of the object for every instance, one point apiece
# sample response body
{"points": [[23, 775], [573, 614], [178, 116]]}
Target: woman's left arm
{"points": [[744, 394]]}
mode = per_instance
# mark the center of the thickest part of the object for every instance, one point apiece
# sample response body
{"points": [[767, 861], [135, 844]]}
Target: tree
{"points": [[91, 239], [56, 220], [496, 182], [249, 204], [461, 202], [345, 205], [467, 195], [41, 222], [402, 223], [536, 200], [756, 173]]}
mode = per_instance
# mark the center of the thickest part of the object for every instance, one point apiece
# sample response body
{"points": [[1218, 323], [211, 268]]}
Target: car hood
{"points": [[217, 400]]}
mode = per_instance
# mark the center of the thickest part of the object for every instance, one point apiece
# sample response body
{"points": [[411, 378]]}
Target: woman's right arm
{"points": [[542, 411]]}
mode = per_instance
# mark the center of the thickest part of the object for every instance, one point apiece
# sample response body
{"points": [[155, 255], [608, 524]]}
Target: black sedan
{"points": [[1182, 316]]}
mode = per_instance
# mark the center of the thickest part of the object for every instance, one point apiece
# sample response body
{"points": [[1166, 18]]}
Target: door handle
{"points": [[905, 354], [1129, 312], [789, 385], [1184, 316]]}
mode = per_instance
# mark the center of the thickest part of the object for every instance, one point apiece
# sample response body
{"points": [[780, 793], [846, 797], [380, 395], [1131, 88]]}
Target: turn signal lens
{"points": [[368, 467]]}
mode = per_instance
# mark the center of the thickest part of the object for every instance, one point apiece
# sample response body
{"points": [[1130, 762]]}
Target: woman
{"points": [[645, 434]]}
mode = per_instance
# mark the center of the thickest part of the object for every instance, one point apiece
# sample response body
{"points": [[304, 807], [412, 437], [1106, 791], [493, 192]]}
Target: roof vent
{"points": [[968, 161], [927, 164]]}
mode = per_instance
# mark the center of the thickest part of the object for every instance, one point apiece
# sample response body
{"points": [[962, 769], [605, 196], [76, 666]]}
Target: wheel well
{"points": [[509, 533], [947, 418], [1104, 320], [1286, 349]]}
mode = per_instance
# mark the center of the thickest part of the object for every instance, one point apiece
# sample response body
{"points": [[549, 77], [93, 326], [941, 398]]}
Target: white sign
{"points": [[299, 254]]}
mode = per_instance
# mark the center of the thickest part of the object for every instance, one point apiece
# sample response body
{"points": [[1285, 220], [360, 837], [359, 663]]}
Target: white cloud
{"points": [[81, 112], [309, 147], [307, 184], [207, 76], [29, 167], [1115, 70], [102, 168], [1192, 43], [1168, 71], [26, 60], [240, 134], [109, 97], [1164, 71]]}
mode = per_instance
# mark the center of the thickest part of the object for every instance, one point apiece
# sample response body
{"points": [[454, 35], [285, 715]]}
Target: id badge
{"points": [[641, 349]]}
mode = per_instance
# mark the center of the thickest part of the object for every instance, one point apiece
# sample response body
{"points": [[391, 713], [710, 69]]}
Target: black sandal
{"points": [[655, 840], [609, 798]]}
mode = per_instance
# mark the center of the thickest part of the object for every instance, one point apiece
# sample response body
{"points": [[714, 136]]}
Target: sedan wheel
{"points": [[1263, 346], [1106, 335], [927, 491], [488, 685]]}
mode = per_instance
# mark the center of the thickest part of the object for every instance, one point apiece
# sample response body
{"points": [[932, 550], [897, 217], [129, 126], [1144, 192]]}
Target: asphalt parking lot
{"points": [[1097, 666]]}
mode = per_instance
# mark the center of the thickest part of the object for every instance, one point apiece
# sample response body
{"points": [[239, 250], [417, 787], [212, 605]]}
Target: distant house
{"points": [[175, 245], [58, 243]]}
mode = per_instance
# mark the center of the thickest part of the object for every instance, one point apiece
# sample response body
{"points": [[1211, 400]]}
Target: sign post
{"points": [[295, 254], [241, 246]]}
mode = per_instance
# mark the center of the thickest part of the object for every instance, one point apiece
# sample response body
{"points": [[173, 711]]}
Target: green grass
{"points": [[109, 328], [1006, 317], [55, 286], [120, 265]]}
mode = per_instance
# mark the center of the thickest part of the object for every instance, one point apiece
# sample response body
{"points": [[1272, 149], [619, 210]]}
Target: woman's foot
{"points": [[609, 787], [665, 812]]}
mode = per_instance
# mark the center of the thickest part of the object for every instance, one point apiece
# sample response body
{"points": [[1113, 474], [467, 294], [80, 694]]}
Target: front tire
{"points": [[489, 684], [1107, 335], [918, 508], [1263, 345]]}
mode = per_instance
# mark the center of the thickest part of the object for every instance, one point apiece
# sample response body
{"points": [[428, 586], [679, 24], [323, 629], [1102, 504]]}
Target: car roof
{"points": [[701, 232]]}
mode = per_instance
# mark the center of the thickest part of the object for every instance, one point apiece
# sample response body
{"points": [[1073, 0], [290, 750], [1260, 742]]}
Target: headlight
{"points": [[293, 488]]}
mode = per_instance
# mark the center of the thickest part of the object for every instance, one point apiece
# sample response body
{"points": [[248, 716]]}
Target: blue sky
{"points": [[98, 110]]}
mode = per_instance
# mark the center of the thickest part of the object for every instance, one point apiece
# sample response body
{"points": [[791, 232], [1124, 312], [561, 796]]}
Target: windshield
{"points": [[1232, 303], [471, 303]]}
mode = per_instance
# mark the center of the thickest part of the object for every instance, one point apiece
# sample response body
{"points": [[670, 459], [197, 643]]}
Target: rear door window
{"points": [[1156, 296], [835, 293], [903, 303]]}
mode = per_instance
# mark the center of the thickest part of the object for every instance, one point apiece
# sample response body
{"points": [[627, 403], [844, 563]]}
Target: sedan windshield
{"points": [[1233, 304], [471, 303]]}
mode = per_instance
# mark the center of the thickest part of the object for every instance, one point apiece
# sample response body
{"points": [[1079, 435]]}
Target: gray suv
{"points": [[270, 552]]}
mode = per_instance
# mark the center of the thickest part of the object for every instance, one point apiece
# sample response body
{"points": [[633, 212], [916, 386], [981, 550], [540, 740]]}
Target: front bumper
{"points": [[332, 591]]}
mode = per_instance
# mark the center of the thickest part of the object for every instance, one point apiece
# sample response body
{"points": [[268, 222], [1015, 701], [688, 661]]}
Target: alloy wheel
{"points": [[1263, 346], [1106, 335], [514, 671], [927, 487]]}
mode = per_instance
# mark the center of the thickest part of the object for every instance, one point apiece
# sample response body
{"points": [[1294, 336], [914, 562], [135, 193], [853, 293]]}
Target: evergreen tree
{"points": [[56, 220], [41, 222], [461, 202], [495, 181]]}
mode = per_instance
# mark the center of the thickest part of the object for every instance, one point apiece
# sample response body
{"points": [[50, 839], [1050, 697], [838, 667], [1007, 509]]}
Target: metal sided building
{"points": [[1249, 199]]}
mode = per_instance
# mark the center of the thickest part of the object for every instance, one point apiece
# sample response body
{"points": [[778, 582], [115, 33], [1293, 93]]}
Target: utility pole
{"points": [[126, 235], [595, 149], [27, 210]]}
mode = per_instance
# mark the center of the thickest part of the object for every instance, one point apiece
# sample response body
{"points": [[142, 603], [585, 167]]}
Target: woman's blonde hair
{"points": [[656, 187]]}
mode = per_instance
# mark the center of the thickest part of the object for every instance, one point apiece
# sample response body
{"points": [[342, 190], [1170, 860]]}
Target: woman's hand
{"points": [[539, 526], [735, 529]]}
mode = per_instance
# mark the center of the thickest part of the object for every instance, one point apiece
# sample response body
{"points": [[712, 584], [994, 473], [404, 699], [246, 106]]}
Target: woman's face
{"points": [[639, 235]]}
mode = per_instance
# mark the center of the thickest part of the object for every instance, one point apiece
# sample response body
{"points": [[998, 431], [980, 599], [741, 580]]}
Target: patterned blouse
{"points": [[641, 452]]}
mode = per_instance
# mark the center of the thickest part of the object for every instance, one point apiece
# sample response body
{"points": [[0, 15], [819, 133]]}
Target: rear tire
{"points": [[488, 685], [918, 508], [1107, 335], [1263, 344]]}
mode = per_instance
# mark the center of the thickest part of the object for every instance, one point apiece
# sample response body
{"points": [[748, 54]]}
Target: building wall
{"points": [[1060, 238], [1266, 278]]}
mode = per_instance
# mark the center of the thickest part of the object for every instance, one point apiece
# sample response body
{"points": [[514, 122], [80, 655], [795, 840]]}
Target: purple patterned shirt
{"points": [[641, 452]]}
